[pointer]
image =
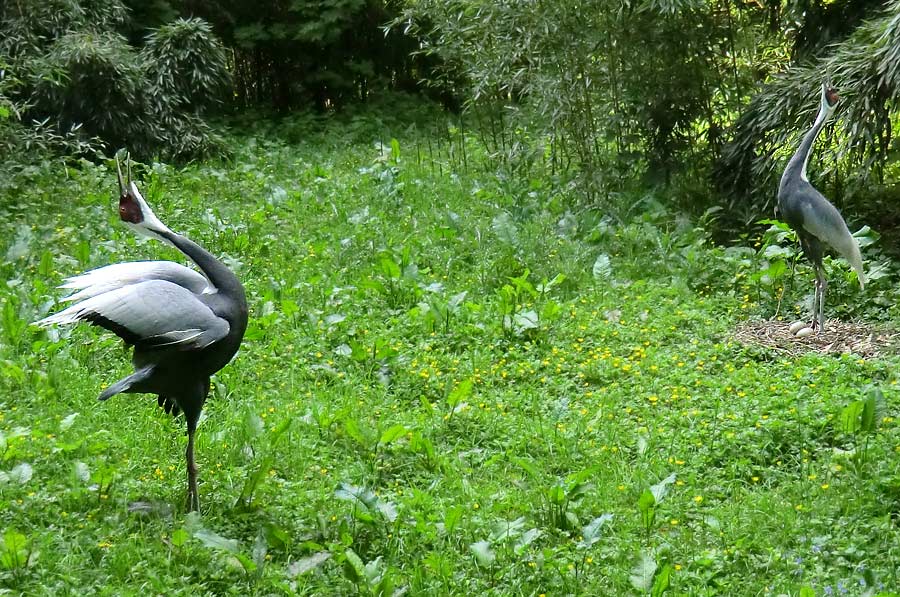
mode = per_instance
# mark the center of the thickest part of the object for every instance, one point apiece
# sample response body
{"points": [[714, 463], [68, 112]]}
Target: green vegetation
{"points": [[452, 384], [492, 346]]}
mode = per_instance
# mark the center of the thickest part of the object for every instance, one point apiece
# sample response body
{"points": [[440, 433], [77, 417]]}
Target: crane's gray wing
{"points": [[119, 275], [824, 221], [151, 314]]}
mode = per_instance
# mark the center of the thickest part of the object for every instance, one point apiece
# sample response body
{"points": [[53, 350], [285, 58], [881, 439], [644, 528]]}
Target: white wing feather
{"points": [[155, 312], [119, 275]]}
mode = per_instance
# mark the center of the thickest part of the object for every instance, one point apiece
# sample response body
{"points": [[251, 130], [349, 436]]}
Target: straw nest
{"points": [[861, 339]]}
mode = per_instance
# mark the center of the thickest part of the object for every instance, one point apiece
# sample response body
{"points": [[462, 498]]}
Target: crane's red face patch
{"points": [[130, 209], [831, 96]]}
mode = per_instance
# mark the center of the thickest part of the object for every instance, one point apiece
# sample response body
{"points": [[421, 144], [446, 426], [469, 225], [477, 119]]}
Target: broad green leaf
{"points": [[373, 570], [660, 489], [289, 307], [546, 286], [387, 509], [254, 479], [556, 494], [577, 489], [216, 541], [592, 532], [14, 552], [82, 472], [777, 252], [602, 269], [361, 496], [246, 563], [526, 466], [358, 352], [525, 320], [462, 391], [334, 318], [14, 540], [484, 555], [550, 310], [457, 299], [647, 500], [259, 551], [647, 508], [661, 584], [505, 529], [304, 565], [45, 267], [505, 229], [67, 422], [179, 537], [641, 576], [395, 149], [526, 539], [867, 417], [353, 429], [276, 536], [865, 236], [354, 569], [452, 516], [21, 473], [850, 417], [277, 431], [390, 268], [392, 434]]}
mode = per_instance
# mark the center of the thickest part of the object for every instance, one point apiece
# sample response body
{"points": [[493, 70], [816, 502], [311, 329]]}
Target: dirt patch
{"points": [[861, 339]]}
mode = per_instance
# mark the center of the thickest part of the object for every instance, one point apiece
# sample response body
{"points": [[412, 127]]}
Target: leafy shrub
{"points": [[95, 80], [77, 81], [187, 63], [866, 69]]}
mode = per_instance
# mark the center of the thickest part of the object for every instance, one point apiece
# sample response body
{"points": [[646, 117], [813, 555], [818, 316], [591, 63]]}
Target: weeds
{"points": [[449, 386]]}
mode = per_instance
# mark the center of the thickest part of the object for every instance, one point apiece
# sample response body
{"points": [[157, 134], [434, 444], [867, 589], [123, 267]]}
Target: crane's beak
{"points": [[119, 176], [133, 210]]}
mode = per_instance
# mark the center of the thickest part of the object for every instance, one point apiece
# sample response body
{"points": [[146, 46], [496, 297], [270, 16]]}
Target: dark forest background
{"points": [[704, 98]]}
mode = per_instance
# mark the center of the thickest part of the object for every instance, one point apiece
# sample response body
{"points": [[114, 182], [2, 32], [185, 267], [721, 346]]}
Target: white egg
{"points": [[804, 332], [797, 326]]}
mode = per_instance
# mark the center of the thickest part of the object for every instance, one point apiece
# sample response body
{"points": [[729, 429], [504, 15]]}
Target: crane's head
{"points": [[830, 98], [133, 210]]}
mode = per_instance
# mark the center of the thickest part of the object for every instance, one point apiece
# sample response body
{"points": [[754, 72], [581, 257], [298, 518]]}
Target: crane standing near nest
{"points": [[184, 325], [813, 217]]}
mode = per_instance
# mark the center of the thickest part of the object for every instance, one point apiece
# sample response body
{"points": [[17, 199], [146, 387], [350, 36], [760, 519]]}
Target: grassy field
{"points": [[451, 385]]}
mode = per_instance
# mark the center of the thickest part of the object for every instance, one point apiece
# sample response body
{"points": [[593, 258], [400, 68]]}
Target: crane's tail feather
{"points": [[850, 252], [861, 275], [824, 221], [127, 383]]}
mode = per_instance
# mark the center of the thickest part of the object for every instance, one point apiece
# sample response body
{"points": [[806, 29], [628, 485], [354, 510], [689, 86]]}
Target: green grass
{"points": [[453, 427]]}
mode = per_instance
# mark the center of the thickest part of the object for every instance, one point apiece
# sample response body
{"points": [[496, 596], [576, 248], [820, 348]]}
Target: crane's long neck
{"points": [[217, 272], [797, 165]]}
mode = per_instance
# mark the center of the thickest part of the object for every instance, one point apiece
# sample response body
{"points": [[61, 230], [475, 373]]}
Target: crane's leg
{"points": [[193, 497], [815, 305], [821, 285], [191, 405]]}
